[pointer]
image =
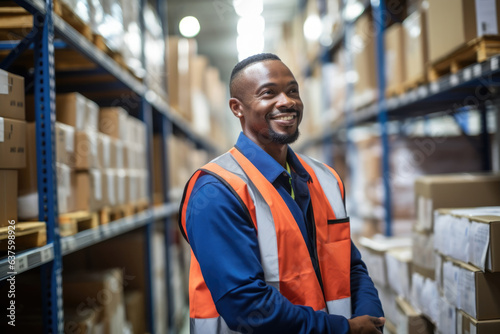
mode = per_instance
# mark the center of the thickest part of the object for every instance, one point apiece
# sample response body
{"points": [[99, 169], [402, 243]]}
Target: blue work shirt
{"points": [[224, 241]]}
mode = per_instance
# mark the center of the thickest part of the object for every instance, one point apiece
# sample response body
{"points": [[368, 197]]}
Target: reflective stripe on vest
{"points": [[293, 276]]}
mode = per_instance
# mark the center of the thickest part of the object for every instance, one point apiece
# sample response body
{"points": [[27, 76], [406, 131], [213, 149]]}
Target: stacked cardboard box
{"points": [[465, 21], [395, 67], [440, 285], [415, 44], [12, 143]]}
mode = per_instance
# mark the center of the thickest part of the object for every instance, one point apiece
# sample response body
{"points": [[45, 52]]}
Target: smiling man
{"points": [[268, 229]]}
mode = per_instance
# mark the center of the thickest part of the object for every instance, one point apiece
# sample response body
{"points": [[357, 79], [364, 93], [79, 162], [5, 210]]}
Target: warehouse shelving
{"points": [[49, 257], [474, 86]]}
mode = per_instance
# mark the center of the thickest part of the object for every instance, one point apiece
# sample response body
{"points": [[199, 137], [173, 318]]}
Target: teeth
{"points": [[285, 118]]}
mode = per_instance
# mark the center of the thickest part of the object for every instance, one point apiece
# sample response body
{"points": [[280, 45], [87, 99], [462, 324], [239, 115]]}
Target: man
{"points": [[270, 238]]}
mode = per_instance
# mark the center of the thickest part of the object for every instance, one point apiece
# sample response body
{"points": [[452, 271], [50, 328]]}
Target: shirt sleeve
{"points": [[225, 244], [364, 295]]}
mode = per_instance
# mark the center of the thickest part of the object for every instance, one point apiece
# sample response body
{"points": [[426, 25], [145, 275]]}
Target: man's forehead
{"points": [[265, 68]]}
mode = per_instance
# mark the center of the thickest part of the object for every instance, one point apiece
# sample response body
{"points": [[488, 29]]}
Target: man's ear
{"points": [[236, 107]]}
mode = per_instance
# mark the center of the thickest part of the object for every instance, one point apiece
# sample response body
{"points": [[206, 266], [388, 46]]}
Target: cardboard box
{"points": [[110, 187], [117, 154], [423, 253], [113, 121], [470, 235], [12, 104], [467, 325], [415, 46], [187, 49], [447, 322], [434, 192], [97, 290], [394, 56], [173, 71], [399, 266], [121, 186], [410, 321], [425, 296], [463, 23], [28, 175], [134, 310], [65, 144], [12, 143], [477, 293], [66, 187], [158, 169], [373, 252], [71, 109], [89, 196], [364, 61], [105, 151], [86, 150], [8, 196]]}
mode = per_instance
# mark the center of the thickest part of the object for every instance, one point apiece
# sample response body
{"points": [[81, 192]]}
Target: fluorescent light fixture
{"points": [[352, 10], [249, 45], [251, 25], [189, 26], [246, 8], [313, 27]]}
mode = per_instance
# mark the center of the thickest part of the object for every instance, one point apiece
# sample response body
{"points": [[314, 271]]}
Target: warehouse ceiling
{"points": [[218, 21]]}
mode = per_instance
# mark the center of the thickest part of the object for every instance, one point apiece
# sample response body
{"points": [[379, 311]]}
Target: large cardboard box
{"points": [[65, 144], [86, 150], [110, 187], [468, 325], [399, 267], [464, 190], [465, 20], [187, 49], [365, 61], [66, 187], [394, 57], [8, 196], [76, 110], [12, 104], [28, 174], [89, 196], [172, 71], [113, 121], [97, 290], [410, 321], [415, 46], [12, 143], [470, 235]]}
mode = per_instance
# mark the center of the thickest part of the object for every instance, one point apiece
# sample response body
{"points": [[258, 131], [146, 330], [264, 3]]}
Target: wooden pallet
{"points": [[109, 214], [476, 51], [74, 222], [28, 235], [67, 14]]}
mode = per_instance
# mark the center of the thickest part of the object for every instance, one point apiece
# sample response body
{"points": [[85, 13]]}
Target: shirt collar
{"points": [[266, 164]]}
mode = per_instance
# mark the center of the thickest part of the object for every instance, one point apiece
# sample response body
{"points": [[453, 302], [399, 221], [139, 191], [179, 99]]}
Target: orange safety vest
{"points": [[278, 235]]}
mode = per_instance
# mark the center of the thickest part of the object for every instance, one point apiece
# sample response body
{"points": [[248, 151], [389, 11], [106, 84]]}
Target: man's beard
{"points": [[283, 139]]}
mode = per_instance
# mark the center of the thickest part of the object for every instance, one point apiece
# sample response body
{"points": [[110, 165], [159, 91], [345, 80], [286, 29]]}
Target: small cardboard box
{"points": [[12, 103], [12, 143], [89, 196], [104, 150], [65, 144], [399, 266], [467, 325], [8, 196], [423, 253], [86, 150], [465, 190], [113, 121], [71, 109], [410, 321]]}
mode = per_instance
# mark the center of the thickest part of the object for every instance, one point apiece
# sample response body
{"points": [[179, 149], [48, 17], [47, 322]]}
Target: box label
{"points": [[486, 19], [480, 240], [1, 130], [4, 82]]}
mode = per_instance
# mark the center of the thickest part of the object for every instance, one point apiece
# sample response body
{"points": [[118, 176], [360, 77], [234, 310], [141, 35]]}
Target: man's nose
{"points": [[284, 101]]}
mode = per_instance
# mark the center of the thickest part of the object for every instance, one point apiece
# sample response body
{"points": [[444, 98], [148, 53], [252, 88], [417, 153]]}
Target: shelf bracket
{"points": [[22, 46]]}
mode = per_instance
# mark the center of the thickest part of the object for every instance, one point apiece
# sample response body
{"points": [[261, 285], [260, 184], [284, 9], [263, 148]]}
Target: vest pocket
{"points": [[338, 229]]}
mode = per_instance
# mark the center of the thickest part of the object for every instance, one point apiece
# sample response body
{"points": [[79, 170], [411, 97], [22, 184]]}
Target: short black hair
{"points": [[248, 61]]}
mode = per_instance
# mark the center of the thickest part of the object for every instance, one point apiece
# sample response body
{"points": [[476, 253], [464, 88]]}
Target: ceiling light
{"points": [[246, 8], [352, 10], [189, 26], [249, 45], [251, 25], [312, 28]]}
